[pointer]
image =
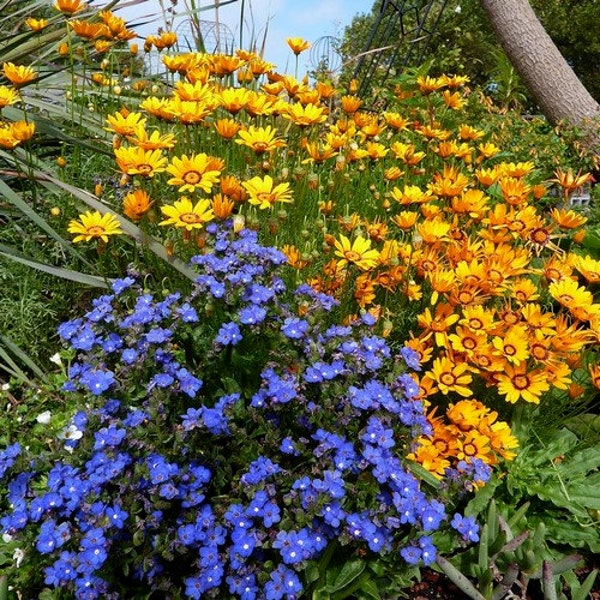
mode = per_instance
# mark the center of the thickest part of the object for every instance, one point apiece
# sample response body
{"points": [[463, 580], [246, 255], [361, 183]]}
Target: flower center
{"points": [[260, 147], [470, 449], [190, 218], [469, 343], [192, 177], [351, 255], [520, 382], [540, 236], [510, 350], [144, 169], [266, 197], [475, 324], [447, 379], [95, 230]]}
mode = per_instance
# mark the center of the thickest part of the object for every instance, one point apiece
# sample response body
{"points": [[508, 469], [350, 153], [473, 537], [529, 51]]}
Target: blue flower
{"points": [[252, 315], [120, 285], [8, 457], [258, 294], [288, 446], [243, 585], [294, 328], [294, 546], [411, 358], [129, 356], [97, 381], [158, 335], [466, 526], [116, 516], [411, 554], [244, 540], [192, 418], [159, 469], [229, 333], [187, 313], [189, 384], [284, 583], [110, 436], [428, 550], [52, 536]]}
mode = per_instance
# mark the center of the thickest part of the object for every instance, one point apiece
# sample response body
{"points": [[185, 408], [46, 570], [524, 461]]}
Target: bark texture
{"points": [[546, 74]]}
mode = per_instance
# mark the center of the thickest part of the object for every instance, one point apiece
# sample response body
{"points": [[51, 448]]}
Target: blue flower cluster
{"points": [[191, 478]]}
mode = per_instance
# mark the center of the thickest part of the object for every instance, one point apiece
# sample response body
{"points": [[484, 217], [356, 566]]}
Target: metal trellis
{"points": [[407, 24]]}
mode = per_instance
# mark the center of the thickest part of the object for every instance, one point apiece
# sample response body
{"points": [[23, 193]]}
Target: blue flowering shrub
{"points": [[233, 443]]}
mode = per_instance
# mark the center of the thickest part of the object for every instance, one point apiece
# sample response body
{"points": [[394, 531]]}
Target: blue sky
{"points": [[309, 19]]}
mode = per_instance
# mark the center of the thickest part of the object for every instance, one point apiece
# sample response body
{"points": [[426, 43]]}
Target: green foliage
{"points": [[464, 41]]}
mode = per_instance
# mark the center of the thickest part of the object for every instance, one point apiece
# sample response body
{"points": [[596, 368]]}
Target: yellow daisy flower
{"points": [[358, 253], [18, 74], [8, 96], [94, 225], [517, 382], [264, 194], [304, 116], [125, 124], [193, 172], [36, 24], [70, 7], [137, 161], [451, 377], [260, 139], [182, 213], [297, 45]]}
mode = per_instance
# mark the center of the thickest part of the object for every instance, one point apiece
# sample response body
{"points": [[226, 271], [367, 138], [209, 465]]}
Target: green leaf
{"points": [[459, 579], [311, 573], [569, 533], [22, 356], [423, 474], [77, 276], [586, 587], [369, 588], [482, 499], [581, 462], [127, 226], [7, 192], [350, 571]]}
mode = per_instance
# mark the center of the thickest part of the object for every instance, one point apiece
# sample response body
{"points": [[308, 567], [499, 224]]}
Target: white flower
{"points": [[18, 556], [6, 537], [458, 10], [55, 358], [44, 418], [5, 387], [70, 433]]}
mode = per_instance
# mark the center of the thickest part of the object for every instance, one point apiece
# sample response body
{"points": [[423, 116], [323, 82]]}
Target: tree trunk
{"points": [[546, 74]]}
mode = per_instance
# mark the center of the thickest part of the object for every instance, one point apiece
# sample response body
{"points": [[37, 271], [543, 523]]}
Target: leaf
{"points": [[586, 587], [584, 425], [369, 588], [482, 499], [128, 227], [7, 192], [77, 276], [22, 356], [580, 462], [459, 579], [350, 571], [567, 532], [423, 474]]}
